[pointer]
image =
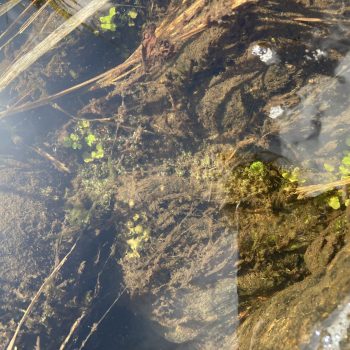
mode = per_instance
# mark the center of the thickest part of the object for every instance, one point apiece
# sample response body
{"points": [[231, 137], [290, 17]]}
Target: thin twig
{"points": [[96, 325], [55, 162], [38, 294], [72, 330], [312, 189]]}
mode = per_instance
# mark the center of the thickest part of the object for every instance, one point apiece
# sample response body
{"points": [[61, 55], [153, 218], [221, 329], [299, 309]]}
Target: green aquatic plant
{"points": [[93, 155], [84, 139], [340, 169], [334, 202], [138, 232], [90, 139], [257, 168], [73, 141], [328, 167], [293, 175], [132, 14], [107, 22], [337, 200]]}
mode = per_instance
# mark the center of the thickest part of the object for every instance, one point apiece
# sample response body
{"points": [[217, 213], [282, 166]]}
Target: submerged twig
{"points": [[33, 17], [312, 189], [96, 325], [37, 344], [38, 294], [55, 162], [72, 330]]}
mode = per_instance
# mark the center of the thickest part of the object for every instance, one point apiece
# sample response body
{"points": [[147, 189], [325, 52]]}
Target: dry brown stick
{"points": [[195, 31], [37, 343], [305, 19], [72, 330], [103, 79], [43, 101], [38, 294], [121, 76], [26, 47], [319, 20], [308, 190], [55, 162]]}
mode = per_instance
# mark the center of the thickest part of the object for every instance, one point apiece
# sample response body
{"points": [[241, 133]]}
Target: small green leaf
{"points": [[112, 11], [346, 160], [83, 124], [328, 167], [99, 152], [344, 170], [334, 202], [107, 21], [74, 137], [67, 142], [90, 139], [257, 168], [109, 26], [347, 202], [132, 14], [293, 176]]}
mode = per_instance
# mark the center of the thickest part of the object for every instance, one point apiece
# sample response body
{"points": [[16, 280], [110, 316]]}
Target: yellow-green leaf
{"points": [[334, 202], [132, 14], [328, 167]]}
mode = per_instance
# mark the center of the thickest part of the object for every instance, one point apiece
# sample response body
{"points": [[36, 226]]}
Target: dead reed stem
{"points": [[8, 6], [312, 189], [174, 29], [22, 63], [17, 19]]}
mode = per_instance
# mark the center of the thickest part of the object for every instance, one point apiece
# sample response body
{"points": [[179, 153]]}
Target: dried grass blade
{"points": [[50, 42], [8, 6]]}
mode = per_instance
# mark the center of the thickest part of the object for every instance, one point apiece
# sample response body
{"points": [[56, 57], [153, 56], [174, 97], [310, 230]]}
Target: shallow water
{"points": [[183, 181]]}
